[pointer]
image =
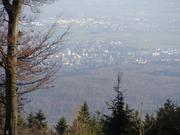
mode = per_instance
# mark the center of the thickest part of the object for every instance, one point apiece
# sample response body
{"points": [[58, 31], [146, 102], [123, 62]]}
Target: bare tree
{"points": [[139, 124], [24, 58]]}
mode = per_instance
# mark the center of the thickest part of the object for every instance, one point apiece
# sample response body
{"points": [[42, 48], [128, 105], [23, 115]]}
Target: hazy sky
{"points": [[112, 8]]}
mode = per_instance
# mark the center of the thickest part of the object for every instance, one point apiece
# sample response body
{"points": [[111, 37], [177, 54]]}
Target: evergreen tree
{"points": [[61, 126], [40, 119], [81, 125], [168, 119], [37, 121], [119, 122], [166, 122], [96, 124], [84, 114], [149, 125]]}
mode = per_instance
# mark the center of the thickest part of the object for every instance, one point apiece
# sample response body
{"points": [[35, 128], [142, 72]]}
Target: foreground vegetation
{"points": [[122, 120]]}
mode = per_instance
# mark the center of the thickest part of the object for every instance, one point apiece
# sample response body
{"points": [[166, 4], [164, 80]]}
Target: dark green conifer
{"points": [[168, 119], [37, 120], [84, 114], [119, 122], [40, 119], [166, 122], [81, 124], [150, 125], [61, 126]]}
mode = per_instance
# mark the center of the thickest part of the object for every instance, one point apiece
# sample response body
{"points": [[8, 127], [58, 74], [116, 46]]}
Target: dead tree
{"points": [[139, 124]]}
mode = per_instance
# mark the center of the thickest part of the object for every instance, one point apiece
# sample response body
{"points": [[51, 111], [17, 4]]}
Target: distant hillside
{"points": [[96, 87]]}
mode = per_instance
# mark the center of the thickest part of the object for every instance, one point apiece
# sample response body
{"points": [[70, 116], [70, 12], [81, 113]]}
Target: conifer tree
{"points": [[149, 125], [84, 114], [119, 122], [168, 119], [61, 126], [40, 119], [37, 121], [81, 124], [96, 124]]}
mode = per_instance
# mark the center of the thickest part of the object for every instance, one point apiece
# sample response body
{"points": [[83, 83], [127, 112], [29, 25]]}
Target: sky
{"points": [[112, 8]]}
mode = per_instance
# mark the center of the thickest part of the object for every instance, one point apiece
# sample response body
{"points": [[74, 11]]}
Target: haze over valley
{"points": [[139, 38]]}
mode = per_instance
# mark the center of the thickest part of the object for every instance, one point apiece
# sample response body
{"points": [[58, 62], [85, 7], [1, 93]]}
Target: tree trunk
{"points": [[10, 70]]}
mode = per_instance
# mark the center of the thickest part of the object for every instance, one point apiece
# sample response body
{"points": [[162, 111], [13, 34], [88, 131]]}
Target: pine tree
{"points": [[37, 121], [61, 126], [168, 119], [81, 124], [84, 114], [96, 124], [40, 119], [119, 122]]}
